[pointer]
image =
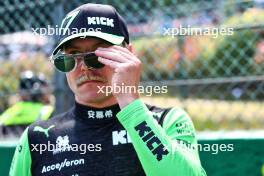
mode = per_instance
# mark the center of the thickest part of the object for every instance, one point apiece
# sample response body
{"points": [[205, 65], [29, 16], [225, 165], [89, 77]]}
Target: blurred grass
{"points": [[216, 114]]}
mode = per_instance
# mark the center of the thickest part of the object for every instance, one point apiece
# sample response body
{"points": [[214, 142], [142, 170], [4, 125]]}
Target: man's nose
{"points": [[84, 67]]}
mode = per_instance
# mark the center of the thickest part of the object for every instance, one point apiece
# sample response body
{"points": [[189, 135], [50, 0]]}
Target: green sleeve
{"points": [[165, 150], [21, 163]]}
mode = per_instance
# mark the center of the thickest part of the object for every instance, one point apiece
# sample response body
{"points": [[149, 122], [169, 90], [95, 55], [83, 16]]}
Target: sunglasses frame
{"points": [[73, 56]]}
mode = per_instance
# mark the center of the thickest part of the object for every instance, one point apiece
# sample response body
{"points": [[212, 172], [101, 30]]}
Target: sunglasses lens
{"points": [[64, 63], [91, 60]]}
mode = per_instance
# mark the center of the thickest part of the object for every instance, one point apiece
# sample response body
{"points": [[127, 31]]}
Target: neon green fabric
{"points": [[21, 163], [162, 150], [25, 113]]}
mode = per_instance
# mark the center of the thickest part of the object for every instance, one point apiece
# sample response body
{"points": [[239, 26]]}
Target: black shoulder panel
{"points": [[158, 113]]}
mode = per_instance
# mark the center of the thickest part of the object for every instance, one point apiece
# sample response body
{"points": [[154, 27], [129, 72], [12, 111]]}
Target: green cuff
{"points": [[133, 111]]}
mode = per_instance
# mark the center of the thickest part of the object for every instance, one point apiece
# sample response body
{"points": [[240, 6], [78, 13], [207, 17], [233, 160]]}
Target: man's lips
{"points": [[85, 78]]}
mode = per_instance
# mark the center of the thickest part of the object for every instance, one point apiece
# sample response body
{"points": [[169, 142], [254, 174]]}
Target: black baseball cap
{"points": [[93, 20]]}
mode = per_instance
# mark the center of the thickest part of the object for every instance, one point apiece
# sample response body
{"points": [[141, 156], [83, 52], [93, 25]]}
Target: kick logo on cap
{"points": [[101, 21]]}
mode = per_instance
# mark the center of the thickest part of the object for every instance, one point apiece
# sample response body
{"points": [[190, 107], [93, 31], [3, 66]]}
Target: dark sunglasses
{"points": [[68, 62]]}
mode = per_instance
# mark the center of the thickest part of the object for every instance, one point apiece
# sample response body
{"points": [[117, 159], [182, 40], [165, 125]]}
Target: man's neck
{"points": [[98, 103]]}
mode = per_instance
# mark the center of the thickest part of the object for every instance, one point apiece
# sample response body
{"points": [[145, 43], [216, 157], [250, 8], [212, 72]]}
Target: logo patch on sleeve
{"points": [[152, 141]]}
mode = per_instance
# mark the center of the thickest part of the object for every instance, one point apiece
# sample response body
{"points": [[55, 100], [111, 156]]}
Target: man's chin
{"points": [[93, 97]]}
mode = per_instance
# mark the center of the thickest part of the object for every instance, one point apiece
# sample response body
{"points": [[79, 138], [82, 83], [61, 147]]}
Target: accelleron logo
{"points": [[61, 165]]}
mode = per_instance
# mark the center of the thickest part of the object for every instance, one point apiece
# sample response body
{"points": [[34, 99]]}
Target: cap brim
{"points": [[114, 39]]}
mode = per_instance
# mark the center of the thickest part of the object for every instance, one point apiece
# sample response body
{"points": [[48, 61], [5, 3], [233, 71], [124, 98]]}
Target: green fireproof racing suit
{"points": [[135, 141]]}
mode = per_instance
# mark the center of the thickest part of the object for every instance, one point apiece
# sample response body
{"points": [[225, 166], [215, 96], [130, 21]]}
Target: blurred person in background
{"points": [[34, 104], [106, 134]]}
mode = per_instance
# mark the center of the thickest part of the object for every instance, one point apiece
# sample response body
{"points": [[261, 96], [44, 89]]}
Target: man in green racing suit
{"points": [[106, 134]]}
